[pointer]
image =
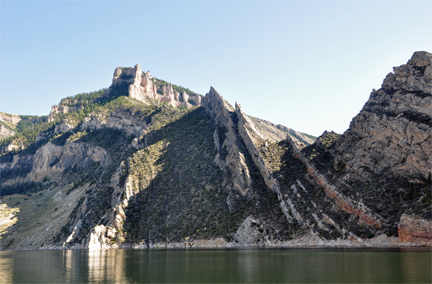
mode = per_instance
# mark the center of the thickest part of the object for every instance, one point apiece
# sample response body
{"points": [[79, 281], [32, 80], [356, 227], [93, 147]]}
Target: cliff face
{"points": [[140, 86], [392, 134], [388, 148], [385, 155], [143, 86], [133, 169]]}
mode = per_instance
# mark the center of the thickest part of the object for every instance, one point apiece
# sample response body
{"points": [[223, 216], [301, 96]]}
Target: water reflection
{"points": [[6, 267], [74, 266], [106, 265], [216, 266]]}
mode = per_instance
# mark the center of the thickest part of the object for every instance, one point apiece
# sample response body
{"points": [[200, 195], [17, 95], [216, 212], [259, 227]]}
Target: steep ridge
{"points": [[304, 212], [388, 147], [138, 165], [292, 173], [225, 193], [395, 125], [365, 164], [278, 132]]}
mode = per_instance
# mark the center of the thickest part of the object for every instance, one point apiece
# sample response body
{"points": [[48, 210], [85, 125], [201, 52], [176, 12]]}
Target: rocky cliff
{"points": [[377, 173], [392, 134], [143, 86], [140, 86], [144, 165], [388, 146]]}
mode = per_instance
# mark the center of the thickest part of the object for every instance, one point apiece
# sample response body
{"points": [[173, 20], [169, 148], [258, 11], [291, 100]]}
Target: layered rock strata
{"points": [[212, 176], [414, 229]]}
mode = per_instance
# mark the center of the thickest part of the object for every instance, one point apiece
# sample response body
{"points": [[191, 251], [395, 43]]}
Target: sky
{"points": [[309, 65]]}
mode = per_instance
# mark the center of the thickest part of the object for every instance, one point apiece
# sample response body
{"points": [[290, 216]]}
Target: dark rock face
{"points": [[385, 157], [362, 182], [392, 135], [388, 147]]}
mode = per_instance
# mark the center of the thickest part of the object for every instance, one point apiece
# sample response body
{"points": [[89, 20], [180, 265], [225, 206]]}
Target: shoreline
{"points": [[309, 241]]}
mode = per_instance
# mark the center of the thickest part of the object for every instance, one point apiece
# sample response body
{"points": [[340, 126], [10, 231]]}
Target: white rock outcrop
{"points": [[5, 117], [142, 86], [5, 132]]}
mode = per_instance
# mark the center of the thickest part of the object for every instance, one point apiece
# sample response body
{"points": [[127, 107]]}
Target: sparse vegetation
{"points": [[160, 83], [310, 136], [180, 186]]}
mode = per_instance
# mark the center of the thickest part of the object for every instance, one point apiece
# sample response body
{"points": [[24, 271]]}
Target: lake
{"points": [[301, 265]]}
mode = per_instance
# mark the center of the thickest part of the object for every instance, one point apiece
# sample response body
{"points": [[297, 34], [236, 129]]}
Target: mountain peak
{"points": [[142, 86], [421, 58], [413, 77], [395, 124]]}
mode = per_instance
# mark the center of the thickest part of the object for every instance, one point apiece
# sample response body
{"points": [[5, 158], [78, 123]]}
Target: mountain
{"points": [[147, 164]]}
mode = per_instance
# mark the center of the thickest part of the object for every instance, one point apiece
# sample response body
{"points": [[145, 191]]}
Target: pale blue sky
{"points": [[309, 65]]}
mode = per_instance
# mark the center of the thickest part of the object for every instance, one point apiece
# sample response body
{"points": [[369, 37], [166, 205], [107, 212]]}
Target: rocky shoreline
{"points": [[307, 241]]}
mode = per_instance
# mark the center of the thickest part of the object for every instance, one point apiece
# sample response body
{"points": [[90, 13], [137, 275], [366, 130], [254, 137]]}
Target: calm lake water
{"points": [[400, 265]]}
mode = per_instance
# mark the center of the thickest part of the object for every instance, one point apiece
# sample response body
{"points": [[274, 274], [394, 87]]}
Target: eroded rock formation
{"points": [[143, 86]]}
